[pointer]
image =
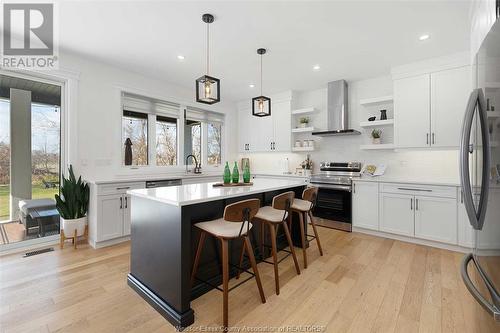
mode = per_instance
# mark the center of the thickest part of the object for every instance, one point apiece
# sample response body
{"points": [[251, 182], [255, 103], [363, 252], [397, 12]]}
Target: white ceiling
{"points": [[348, 39]]}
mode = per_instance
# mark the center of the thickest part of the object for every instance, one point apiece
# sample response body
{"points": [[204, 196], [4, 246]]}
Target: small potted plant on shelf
{"points": [[376, 134], [72, 206], [304, 122]]}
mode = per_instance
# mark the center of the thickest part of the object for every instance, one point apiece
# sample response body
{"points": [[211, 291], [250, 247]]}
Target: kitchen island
{"points": [[163, 240]]}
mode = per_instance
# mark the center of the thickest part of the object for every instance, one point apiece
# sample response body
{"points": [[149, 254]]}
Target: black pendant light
{"points": [[208, 87], [261, 105]]}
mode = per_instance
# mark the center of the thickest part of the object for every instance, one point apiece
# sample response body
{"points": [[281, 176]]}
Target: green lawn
{"points": [[37, 192]]}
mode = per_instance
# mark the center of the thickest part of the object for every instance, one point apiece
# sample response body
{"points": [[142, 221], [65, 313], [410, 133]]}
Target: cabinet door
{"points": [[282, 127], [450, 91], [126, 215], [110, 216], [365, 205], [244, 130], [465, 230], [412, 111], [263, 133], [396, 213], [436, 219]]}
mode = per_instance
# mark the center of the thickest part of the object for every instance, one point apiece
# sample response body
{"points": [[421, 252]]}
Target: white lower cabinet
{"points": [[396, 213], [114, 216], [428, 212], [365, 205], [465, 230], [436, 219]]}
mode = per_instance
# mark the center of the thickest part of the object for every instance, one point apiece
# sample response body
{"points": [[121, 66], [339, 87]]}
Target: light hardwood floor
{"points": [[361, 284]]}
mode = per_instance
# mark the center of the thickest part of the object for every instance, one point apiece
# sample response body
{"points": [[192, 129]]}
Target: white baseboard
{"points": [[413, 240], [28, 245], [98, 245]]}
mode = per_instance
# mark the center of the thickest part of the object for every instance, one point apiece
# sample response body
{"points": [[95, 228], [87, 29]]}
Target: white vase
{"points": [[376, 141], [303, 125], [69, 226]]}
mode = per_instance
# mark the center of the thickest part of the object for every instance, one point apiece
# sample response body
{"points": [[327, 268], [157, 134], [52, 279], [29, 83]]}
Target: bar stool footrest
{"points": [[233, 287]]}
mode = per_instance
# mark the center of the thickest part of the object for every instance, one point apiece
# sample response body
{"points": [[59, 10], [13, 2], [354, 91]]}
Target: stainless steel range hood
{"points": [[337, 111]]}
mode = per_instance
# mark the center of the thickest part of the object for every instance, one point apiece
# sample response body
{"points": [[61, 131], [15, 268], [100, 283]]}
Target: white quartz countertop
{"points": [[145, 178], [188, 194], [441, 181]]}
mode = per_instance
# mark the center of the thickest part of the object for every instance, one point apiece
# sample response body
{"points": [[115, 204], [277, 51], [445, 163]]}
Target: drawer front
{"points": [[119, 188], [415, 189]]}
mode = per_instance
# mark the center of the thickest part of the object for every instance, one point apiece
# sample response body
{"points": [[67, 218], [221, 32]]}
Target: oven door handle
{"points": [[345, 188]]}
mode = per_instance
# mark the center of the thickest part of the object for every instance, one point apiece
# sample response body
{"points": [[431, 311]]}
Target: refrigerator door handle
{"points": [[490, 308], [476, 218]]}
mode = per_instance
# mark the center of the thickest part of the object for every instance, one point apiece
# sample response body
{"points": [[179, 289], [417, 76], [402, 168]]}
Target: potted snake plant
{"points": [[72, 204]]}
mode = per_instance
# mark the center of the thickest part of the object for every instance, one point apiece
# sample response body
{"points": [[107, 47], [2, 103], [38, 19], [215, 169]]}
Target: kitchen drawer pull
{"points": [[414, 189], [121, 202], [123, 188]]}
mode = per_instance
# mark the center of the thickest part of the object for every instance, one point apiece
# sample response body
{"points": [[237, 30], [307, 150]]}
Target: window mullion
{"points": [[180, 138], [152, 139], [204, 144]]}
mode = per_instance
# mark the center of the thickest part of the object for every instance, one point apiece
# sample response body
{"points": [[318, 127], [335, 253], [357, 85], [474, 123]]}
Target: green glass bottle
{"points": [[227, 174], [246, 173], [236, 174]]}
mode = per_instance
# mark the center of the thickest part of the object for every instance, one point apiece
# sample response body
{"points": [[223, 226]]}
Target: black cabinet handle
{"points": [[126, 202], [411, 203], [121, 202]]}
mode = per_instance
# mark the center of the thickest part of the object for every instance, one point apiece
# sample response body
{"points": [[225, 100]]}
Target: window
{"points": [[166, 141], [162, 134], [214, 131], [192, 139], [135, 138]]}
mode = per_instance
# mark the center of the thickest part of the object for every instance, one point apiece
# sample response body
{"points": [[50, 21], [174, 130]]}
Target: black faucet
{"points": [[197, 167]]}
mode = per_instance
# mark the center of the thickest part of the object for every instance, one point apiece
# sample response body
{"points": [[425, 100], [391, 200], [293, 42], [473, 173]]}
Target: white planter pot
{"points": [[69, 226], [303, 125], [376, 141]]}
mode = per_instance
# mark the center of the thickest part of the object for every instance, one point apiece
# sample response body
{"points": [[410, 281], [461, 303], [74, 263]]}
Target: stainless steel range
{"points": [[334, 203]]}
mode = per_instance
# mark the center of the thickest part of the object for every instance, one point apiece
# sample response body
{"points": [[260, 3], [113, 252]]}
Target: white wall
{"points": [[415, 163], [98, 116]]}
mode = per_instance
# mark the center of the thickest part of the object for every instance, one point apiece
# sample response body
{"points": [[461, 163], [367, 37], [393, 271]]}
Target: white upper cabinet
{"points": [[429, 108], [281, 114], [262, 134], [365, 205], [450, 91], [244, 130], [412, 111]]}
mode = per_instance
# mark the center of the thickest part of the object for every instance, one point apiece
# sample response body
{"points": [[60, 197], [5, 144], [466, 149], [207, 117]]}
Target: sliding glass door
{"points": [[30, 158]]}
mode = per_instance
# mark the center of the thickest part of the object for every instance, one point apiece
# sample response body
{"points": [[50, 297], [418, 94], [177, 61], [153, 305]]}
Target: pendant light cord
{"points": [[261, 74], [208, 48]]}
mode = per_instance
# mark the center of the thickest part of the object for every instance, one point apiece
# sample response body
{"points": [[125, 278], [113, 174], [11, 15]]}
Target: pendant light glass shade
{"points": [[208, 87], [261, 105]]}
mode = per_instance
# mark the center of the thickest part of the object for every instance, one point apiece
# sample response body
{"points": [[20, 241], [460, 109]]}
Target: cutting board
{"points": [[232, 184]]}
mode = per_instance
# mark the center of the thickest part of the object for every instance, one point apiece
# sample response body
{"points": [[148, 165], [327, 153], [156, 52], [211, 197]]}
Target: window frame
{"points": [[136, 114], [156, 116]]}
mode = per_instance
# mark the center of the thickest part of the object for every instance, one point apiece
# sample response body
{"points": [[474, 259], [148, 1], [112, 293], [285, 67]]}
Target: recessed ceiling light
{"points": [[316, 67], [423, 37], [180, 57], [251, 85]]}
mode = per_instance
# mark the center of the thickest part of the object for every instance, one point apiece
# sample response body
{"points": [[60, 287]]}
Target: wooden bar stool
{"points": [[274, 216], [304, 208], [235, 224]]}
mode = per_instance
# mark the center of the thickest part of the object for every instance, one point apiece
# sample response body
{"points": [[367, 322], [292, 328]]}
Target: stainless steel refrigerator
{"points": [[480, 181]]}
